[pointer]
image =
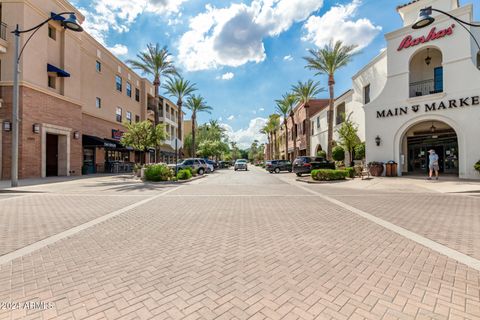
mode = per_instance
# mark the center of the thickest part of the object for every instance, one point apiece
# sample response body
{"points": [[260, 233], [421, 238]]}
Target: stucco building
{"points": [[421, 93], [75, 96]]}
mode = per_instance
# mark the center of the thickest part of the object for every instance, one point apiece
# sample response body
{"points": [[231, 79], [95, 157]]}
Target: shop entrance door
{"points": [[52, 155], [445, 147]]}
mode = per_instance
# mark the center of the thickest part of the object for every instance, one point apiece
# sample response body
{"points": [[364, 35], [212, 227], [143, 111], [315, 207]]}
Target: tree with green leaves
{"points": [[180, 89], [285, 108], [196, 104], [143, 135], [329, 60], [348, 136], [306, 91]]}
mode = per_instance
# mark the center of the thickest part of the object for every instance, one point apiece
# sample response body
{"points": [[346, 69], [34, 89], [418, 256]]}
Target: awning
{"points": [[91, 141], [61, 73], [118, 145]]}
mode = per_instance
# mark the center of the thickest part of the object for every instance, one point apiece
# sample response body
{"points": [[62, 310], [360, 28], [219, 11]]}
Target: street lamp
{"points": [[425, 19], [69, 23]]}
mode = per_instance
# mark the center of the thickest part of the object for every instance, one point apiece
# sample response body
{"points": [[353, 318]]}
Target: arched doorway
{"points": [[428, 135], [317, 150], [426, 72]]}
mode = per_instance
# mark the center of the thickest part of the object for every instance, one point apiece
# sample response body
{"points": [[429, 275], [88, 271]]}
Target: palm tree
{"points": [[284, 107], [306, 91], [196, 104], [327, 61], [180, 89], [157, 62], [274, 121], [266, 130]]}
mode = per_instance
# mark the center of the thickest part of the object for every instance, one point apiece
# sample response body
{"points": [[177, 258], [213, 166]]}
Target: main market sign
{"points": [[430, 107], [409, 41]]}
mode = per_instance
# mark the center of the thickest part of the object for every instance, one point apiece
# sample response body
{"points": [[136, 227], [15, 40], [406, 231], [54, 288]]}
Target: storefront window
{"points": [[117, 156]]}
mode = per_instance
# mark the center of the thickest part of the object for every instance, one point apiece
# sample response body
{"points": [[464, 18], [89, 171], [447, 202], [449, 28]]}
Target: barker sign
{"points": [[409, 41]]}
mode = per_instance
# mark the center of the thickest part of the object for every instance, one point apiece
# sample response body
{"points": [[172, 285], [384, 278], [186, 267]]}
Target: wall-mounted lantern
{"points": [[7, 126], [76, 135], [378, 141], [36, 128]]}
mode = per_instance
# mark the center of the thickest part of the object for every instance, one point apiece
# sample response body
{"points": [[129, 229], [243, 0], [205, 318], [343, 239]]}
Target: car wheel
{"points": [[299, 174], [277, 170], [235, 169], [201, 171], [270, 171]]}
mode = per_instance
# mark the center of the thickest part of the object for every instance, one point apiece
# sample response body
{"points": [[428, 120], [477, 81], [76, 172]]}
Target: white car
{"points": [[210, 167], [241, 164]]}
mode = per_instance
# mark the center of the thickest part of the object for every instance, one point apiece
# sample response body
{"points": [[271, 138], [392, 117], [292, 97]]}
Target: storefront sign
{"points": [[409, 41], [117, 134], [430, 107]]}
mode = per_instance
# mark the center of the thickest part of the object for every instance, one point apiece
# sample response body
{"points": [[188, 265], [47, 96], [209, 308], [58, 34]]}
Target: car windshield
{"points": [[241, 161]]}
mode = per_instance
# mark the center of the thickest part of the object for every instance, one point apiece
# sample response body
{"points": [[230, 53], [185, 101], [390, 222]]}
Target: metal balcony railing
{"points": [[423, 88], [3, 31]]}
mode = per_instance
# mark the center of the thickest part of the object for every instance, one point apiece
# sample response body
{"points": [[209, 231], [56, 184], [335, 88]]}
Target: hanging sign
{"points": [[409, 41]]}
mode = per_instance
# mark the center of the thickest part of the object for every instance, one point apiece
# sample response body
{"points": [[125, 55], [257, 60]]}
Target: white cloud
{"points": [[244, 137], [233, 36], [288, 58], [103, 16], [231, 118], [227, 76], [118, 50], [261, 109], [338, 24]]}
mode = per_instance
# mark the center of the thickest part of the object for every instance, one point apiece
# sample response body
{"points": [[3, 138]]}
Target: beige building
{"points": [[74, 97]]}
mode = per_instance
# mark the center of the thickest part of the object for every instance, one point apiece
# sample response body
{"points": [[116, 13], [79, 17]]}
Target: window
{"points": [[340, 113], [304, 127], [99, 66], [366, 94], [129, 89], [137, 94], [118, 83], [98, 103], [129, 117], [318, 123], [313, 128], [137, 118], [52, 82], [478, 60], [118, 114], [52, 33]]}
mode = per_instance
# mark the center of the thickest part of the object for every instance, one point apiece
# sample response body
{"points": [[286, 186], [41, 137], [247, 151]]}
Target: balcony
{"points": [[3, 38], [424, 87]]}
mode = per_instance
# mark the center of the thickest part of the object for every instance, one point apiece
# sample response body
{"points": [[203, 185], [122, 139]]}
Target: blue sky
{"points": [[243, 54]]}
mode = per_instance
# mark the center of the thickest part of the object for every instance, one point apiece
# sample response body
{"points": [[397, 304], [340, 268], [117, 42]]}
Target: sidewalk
{"points": [[6, 184]]}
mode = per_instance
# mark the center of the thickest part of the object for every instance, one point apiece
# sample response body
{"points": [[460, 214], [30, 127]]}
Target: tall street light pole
{"points": [[425, 19], [69, 23]]}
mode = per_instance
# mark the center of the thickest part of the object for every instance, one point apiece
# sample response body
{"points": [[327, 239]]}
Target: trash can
{"points": [[391, 168]]}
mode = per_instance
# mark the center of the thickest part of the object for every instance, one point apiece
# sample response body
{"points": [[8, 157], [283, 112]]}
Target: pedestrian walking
{"points": [[433, 164]]}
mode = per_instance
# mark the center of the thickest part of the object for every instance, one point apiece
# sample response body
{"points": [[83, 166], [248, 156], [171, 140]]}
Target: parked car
{"points": [[278, 165], [196, 164], [210, 167], [213, 163], [224, 164], [241, 164], [305, 165]]}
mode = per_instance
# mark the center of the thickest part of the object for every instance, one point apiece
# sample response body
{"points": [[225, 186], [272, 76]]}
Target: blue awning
{"points": [[61, 73]]}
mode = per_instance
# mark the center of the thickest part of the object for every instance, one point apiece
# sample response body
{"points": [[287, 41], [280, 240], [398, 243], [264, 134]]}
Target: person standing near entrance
{"points": [[433, 164]]}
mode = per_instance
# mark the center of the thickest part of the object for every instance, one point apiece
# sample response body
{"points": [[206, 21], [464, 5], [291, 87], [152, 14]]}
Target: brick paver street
{"points": [[236, 245]]}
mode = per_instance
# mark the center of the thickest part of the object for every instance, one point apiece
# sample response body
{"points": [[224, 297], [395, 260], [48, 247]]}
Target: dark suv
{"points": [[305, 165], [278, 165]]}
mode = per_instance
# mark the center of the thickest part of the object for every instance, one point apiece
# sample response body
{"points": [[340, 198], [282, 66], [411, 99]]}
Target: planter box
{"points": [[376, 171]]}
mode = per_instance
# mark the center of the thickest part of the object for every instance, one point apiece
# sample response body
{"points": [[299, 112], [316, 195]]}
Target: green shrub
{"points": [[350, 172], [184, 174], [158, 172], [322, 154], [477, 166], [338, 153], [360, 151], [329, 175]]}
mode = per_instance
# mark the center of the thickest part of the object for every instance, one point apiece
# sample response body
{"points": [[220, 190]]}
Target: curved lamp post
{"points": [[69, 23], [425, 19]]}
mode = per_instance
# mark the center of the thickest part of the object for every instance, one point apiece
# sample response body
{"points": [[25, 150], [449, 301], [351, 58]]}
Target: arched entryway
{"points": [[318, 149], [427, 135]]}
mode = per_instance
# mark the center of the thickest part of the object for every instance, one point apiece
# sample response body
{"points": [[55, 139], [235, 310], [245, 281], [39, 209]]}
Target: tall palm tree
{"points": [[327, 61], [274, 121], [266, 131], [179, 88], [196, 104], [157, 62], [284, 107], [306, 91]]}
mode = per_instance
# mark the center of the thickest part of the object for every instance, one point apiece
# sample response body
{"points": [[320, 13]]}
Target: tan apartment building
{"points": [[302, 127], [74, 97]]}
